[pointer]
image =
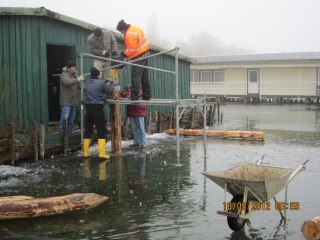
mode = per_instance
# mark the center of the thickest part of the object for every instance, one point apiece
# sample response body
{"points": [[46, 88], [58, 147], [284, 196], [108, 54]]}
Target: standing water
{"points": [[151, 198]]}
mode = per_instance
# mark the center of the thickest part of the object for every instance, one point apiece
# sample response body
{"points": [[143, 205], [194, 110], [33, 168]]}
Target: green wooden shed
{"points": [[35, 43]]}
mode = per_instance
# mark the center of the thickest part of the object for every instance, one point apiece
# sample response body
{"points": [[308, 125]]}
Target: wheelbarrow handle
{"points": [[306, 162], [295, 172]]}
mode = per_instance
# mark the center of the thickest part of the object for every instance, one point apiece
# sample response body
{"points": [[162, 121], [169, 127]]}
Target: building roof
{"points": [[269, 57], [43, 12]]}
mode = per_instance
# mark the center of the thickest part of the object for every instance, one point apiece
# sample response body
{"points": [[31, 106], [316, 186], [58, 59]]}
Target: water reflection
{"points": [[151, 198]]}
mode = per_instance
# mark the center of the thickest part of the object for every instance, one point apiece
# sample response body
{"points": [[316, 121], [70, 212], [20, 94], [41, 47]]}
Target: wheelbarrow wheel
{"points": [[236, 223]]}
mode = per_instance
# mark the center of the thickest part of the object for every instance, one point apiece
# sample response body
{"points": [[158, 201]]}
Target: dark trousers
{"points": [[140, 79], [95, 116]]}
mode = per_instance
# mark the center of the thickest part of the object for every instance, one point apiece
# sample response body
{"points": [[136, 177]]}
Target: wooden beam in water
{"points": [[15, 207], [219, 133]]}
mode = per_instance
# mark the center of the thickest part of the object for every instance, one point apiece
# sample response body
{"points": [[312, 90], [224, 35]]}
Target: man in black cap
{"points": [[69, 83], [96, 92], [102, 43], [137, 46]]}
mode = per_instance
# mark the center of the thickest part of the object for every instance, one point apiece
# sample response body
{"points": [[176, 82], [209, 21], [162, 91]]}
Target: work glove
{"points": [[81, 78], [109, 82], [106, 53]]}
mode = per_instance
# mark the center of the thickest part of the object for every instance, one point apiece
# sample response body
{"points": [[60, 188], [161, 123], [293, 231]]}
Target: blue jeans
{"points": [[137, 126], [69, 113]]}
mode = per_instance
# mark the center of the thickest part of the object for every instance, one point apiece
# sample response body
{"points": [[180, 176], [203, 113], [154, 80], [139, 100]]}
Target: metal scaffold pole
{"points": [[177, 106], [81, 106]]}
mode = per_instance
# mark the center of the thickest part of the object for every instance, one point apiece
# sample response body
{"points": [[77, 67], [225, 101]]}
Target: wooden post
{"points": [[115, 125], [214, 113], [205, 120], [125, 128], [171, 119], [42, 138], [149, 118], [65, 137], [159, 122], [35, 140], [218, 112], [11, 142], [211, 114], [311, 228], [192, 120]]}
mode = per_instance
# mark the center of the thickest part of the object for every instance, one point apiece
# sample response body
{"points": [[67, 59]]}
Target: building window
{"points": [[206, 76], [195, 76], [219, 76], [318, 82], [253, 76]]}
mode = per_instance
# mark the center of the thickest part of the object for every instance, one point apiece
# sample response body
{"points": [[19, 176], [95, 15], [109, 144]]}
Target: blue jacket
{"points": [[96, 91]]}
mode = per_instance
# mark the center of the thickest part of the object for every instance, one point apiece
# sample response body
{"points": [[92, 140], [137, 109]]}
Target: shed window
{"points": [[206, 76], [219, 76], [195, 76]]}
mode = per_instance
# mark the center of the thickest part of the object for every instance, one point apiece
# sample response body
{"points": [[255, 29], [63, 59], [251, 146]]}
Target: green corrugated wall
{"points": [[23, 67]]}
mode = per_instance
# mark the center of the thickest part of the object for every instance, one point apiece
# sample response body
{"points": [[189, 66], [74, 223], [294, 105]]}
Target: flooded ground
{"points": [[151, 198]]}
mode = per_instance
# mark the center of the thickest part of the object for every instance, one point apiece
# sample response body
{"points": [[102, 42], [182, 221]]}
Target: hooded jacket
{"points": [[135, 41]]}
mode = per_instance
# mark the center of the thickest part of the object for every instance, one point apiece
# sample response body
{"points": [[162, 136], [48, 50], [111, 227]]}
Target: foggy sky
{"points": [[265, 26]]}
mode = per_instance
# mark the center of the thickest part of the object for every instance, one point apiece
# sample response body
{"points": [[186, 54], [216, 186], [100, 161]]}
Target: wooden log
{"points": [[311, 228], [219, 133], [26, 207]]}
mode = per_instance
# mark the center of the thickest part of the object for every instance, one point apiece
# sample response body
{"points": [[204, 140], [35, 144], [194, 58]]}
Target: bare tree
{"points": [[204, 44]]}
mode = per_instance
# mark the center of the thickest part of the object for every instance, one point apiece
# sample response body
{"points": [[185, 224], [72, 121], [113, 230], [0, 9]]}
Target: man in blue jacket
{"points": [[95, 94]]}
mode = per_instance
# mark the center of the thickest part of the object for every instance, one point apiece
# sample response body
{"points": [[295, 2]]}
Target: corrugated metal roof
{"points": [[45, 13], [270, 57]]}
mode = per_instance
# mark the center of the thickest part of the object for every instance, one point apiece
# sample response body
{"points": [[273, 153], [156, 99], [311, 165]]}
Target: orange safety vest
{"points": [[135, 41]]}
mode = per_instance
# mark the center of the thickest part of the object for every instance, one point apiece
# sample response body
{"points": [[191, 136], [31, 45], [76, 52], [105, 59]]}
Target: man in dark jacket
{"points": [[69, 83], [96, 91]]}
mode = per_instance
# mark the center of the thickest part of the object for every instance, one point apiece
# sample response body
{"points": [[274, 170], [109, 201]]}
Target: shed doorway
{"points": [[57, 57]]}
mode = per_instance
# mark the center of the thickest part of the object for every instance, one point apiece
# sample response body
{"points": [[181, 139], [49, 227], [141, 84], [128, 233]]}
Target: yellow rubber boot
{"points": [[86, 144], [102, 148]]}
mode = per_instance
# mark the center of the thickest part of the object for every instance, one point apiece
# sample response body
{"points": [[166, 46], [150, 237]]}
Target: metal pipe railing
{"points": [[175, 73]]}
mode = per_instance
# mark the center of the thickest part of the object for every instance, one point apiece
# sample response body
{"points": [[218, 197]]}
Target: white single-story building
{"points": [[263, 76]]}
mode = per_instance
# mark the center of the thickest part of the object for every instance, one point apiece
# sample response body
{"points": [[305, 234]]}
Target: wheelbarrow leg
{"points": [[286, 202], [275, 201]]}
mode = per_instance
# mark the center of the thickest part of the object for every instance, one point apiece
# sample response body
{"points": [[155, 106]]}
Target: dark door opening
{"points": [[57, 57]]}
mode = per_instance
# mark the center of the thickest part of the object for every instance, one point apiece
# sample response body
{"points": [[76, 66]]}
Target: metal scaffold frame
{"points": [[176, 103]]}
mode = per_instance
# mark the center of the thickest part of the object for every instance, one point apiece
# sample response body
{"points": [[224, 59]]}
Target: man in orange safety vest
{"points": [[136, 46]]}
